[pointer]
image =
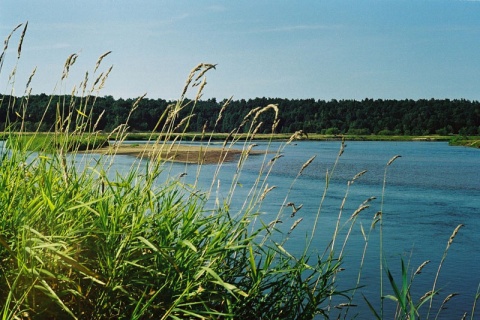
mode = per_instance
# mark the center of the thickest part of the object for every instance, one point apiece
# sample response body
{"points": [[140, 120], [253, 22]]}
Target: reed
{"points": [[79, 241]]}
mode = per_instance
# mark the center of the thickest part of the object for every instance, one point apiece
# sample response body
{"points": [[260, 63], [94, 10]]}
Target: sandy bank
{"points": [[180, 153]]}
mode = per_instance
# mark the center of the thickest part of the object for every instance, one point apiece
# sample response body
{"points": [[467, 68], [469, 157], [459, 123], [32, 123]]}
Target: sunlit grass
{"points": [[77, 243]]}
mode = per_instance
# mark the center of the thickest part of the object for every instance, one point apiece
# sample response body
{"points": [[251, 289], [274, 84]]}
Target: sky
{"points": [[321, 49]]}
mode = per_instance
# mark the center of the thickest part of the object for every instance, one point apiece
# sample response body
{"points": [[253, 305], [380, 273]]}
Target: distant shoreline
{"points": [[196, 136], [454, 140]]}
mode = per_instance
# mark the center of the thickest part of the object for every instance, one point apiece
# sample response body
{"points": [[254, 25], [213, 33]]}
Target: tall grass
{"points": [[78, 241]]}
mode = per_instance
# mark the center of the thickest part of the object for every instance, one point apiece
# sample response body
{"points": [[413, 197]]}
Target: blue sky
{"points": [[355, 49]]}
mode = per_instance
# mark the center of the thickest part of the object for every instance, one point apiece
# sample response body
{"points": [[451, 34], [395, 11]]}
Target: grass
{"points": [[470, 141], [78, 241], [50, 143]]}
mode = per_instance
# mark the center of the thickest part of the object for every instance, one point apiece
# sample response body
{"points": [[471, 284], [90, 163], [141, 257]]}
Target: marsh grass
{"points": [[77, 243], [49, 143], [80, 241]]}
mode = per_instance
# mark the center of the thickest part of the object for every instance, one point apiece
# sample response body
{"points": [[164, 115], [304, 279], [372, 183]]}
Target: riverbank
{"points": [[456, 140], [470, 142], [195, 136]]}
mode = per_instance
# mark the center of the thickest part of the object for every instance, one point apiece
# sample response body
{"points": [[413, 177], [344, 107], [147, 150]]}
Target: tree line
{"points": [[368, 116]]}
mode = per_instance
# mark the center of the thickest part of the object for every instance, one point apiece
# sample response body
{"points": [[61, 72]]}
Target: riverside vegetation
{"points": [[81, 242]]}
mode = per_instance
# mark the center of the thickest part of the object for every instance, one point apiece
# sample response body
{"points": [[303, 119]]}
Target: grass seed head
{"points": [[427, 295], [368, 200], [273, 223], [450, 296], [21, 40], [254, 132], [68, 63], [275, 158], [358, 175], [419, 269], [99, 61], [266, 191], [342, 149], [306, 164], [360, 209], [31, 77], [454, 234], [5, 43], [104, 79], [295, 224], [295, 209], [393, 159]]}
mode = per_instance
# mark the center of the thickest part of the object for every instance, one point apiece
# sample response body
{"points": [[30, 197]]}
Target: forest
{"points": [[368, 116]]}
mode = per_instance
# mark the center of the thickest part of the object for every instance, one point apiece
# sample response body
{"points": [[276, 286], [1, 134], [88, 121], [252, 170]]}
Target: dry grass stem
{"points": [[254, 132], [294, 225], [358, 175], [268, 107], [189, 80], [273, 223], [220, 113], [266, 191], [137, 103], [275, 158], [419, 269], [21, 40], [393, 159], [450, 241], [306, 164], [200, 89], [97, 80], [376, 218], [104, 79], [5, 42], [345, 305], [275, 125], [360, 209], [99, 61], [206, 67], [454, 234], [342, 148], [427, 294], [297, 135], [450, 296], [30, 78], [368, 200], [68, 63], [227, 139], [295, 209], [183, 121]]}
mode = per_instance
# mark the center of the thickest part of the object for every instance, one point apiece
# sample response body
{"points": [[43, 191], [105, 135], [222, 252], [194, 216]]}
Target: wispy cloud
{"points": [[60, 45], [217, 8], [294, 28], [180, 17]]}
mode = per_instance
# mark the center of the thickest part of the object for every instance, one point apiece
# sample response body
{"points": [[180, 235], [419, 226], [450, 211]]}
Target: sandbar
{"points": [[175, 152]]}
